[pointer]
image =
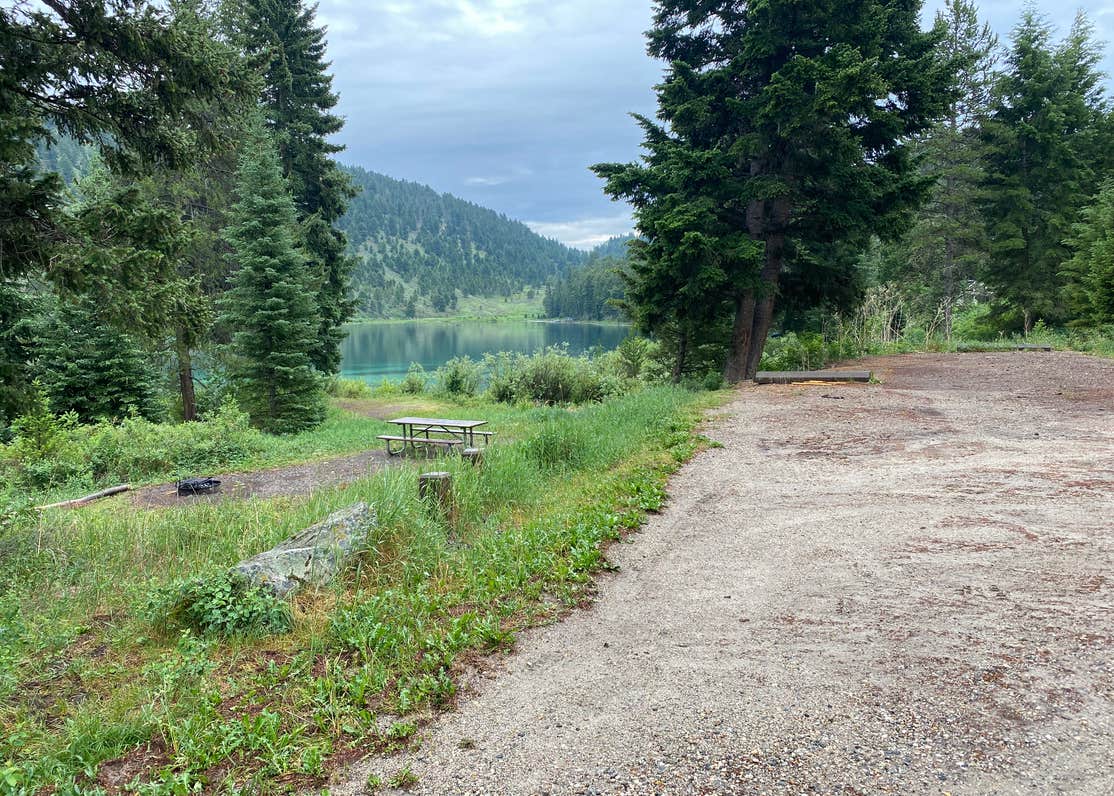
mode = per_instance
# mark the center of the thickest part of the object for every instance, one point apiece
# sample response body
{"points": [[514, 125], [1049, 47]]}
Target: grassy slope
{"points": [[86, 675]]}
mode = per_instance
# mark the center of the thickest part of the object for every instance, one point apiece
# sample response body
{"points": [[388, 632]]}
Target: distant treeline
{"points": [[416, 246], [591, 292]]}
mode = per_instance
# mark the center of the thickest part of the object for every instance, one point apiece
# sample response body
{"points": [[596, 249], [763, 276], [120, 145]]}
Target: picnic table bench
{"points": [[428, 433]]}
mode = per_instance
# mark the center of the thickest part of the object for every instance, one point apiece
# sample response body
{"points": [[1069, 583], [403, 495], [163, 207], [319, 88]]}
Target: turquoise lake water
{"points": [[377, 351]]}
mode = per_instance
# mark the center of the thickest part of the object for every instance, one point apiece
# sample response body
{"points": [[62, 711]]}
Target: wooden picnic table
{"points": [[417, 431]]}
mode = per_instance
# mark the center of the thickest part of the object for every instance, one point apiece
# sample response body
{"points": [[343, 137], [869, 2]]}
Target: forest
{"points": [[418, 249], [170, 207]]}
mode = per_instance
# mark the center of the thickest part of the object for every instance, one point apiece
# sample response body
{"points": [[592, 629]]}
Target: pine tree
{"points": [[782, 140], [271, 308], [92, 368], [946, 247], [1047, 108], [1090, 272], [298, 100]]}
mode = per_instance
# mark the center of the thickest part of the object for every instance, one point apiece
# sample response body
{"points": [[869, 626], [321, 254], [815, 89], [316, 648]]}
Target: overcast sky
{"points": [[507, 102]]}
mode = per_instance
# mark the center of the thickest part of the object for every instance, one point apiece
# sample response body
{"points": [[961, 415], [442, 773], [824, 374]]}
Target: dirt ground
{"points": [[299, 479], [898, 588]]}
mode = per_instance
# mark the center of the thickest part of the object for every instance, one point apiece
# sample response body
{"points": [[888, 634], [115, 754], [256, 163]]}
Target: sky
{"points": [[507, 103]]}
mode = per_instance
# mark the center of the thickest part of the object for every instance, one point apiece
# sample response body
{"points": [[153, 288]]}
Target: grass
{"points": [[88, 676]]}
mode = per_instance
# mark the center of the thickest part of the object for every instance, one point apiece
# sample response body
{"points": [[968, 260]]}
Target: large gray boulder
{"points": [[313, 556]]}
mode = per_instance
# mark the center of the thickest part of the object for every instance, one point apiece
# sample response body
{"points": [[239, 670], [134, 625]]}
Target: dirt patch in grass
{"points": [[294, 480]]}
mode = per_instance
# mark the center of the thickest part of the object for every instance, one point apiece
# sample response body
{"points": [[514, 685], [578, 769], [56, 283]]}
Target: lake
{"points": [[377, 351]]}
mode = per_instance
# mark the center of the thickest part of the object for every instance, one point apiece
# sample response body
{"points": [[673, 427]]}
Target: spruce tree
{"points": [[89, 366], [946, 247], [1047, 108], [271, 308], [297, 102], [782, 141], [1090, 271]]}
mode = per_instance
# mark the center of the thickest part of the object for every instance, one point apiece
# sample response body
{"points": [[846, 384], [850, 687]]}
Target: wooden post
{"points": [[473, 456], [436, 489]]}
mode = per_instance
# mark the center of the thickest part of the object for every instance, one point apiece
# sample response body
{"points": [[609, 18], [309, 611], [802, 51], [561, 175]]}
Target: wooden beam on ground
{"points": [[814, 376], [81, 501], [1033, 347]]}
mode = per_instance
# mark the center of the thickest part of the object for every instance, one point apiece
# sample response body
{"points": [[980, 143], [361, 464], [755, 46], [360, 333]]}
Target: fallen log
{"points": [[813, 376], [81, 501]]}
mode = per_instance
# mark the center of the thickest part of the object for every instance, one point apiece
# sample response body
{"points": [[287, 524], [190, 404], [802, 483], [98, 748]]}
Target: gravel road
{"points": [[897, 588]]}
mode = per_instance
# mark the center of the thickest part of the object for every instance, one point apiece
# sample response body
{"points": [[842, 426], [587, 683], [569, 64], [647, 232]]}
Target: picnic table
{"points": [[434, 432]]}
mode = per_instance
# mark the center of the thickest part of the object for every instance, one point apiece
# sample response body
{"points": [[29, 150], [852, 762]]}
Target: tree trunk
{"points": [[753, 317], [682, 355], [185, 375], [735, 369], [764, 309]]}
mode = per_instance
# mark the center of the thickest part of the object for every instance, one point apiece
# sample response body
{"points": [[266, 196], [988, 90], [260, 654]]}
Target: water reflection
{"points": [[377, 351]]}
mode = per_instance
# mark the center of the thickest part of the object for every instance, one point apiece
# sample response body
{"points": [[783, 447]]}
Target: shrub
{"points": [[460, 376], [415, 381], [44, 451], [553, 376], [222, 603], [349, 388], [632, 355], [137, 448]]}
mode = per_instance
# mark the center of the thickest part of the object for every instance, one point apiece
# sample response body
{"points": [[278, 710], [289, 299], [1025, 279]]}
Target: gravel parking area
{"points": [[898, 588]]}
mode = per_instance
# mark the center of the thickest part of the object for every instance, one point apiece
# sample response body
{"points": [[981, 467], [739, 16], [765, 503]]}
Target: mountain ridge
{"points": [[420, 251]]}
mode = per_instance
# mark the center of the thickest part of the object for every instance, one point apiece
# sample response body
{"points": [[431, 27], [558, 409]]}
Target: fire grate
{"points": [[197, 486]]}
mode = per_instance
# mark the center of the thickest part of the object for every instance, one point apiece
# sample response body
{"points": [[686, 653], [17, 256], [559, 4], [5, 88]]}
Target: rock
{"points": [[313, 556]]}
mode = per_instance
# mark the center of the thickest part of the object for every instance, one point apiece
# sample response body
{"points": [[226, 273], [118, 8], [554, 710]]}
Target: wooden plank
{"points": [[421, 440], [1033, 347], [433, 421], [822, 376]]}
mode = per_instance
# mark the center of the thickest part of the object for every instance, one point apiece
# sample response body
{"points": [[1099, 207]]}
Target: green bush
{"points": [[45, 450], [51, 451], [459, 377], [221, 603], [415, 381], [349, 388], [553, 376], [138, 449]]}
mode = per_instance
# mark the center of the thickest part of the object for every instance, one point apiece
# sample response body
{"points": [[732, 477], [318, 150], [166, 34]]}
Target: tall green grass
{"points": [[87, 673]]}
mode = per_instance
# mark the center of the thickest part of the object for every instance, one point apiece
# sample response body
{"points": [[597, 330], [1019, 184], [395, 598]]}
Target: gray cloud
{"points": [[507, 102]]}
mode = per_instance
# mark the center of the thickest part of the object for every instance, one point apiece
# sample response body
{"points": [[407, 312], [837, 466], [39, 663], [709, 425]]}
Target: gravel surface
{"points": [[897, 588]]}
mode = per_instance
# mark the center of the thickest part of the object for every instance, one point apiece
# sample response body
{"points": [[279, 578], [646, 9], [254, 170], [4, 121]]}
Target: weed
{"points": [[224, 603], [403, 778]]}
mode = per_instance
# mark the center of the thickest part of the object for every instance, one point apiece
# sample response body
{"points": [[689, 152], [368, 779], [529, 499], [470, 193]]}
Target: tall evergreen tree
{"points": [[1090, 271], [946, 247], [782, 140], [1048, 106], [298, 101], [271, 308], [139, 79]]}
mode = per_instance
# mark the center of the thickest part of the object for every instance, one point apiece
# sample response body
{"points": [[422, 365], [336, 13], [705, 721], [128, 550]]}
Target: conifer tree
{"points": [[271, 308], [1047, 108], [1090, 271], [782, 138], [946, 247], [297, 103], [92, 368]]}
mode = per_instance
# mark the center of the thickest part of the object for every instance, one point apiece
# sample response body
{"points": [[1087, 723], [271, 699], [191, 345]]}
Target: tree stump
{"points": [[436, 490], [473, 456]]}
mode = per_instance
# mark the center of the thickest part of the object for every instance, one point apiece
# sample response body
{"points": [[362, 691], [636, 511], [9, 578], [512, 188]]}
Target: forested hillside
{"points": [[419, 250], [589, 292]]}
